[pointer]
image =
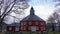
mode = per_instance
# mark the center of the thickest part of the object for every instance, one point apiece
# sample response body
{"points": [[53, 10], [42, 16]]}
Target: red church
{"points": [[32, 23]]}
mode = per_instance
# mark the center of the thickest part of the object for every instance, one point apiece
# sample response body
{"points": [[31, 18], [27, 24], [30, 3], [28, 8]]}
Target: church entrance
{"points": [[33, 28]]}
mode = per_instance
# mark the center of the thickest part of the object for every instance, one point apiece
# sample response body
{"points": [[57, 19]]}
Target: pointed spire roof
{"points": [[32, 11], [32, 16]]}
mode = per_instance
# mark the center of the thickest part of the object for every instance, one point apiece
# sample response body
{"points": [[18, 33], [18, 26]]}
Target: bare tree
{"points": [[51, 22], [58, 2], [12, 6], [18, 9], [6, 7], [54, 18], [3, 9]]}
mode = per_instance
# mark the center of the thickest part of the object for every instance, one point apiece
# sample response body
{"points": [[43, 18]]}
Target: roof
{"points": [[14, 24], [32, 17]]}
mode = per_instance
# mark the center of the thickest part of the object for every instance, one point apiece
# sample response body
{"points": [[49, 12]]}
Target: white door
{"points": [[33, 28]]}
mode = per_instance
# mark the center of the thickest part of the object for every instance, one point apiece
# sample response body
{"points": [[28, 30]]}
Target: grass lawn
{"points": [[33, 33], [53, 32]]}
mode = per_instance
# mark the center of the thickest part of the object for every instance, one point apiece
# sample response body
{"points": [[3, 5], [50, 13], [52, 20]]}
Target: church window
{"points": [[21, 28], [37, 23], [29, 28], [22, 24], [41, 23], [30, 23], [42, 28], [36, 27], [24, 28], [10, 28]]}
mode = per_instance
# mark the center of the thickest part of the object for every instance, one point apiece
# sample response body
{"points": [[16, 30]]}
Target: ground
{"points": [[29, 33]]}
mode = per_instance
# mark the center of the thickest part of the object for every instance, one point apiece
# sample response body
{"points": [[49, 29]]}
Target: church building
{"points": [[32, 23]]}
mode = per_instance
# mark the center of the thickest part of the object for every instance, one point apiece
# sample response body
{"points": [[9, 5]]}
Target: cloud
{"points": [[42, 11]]}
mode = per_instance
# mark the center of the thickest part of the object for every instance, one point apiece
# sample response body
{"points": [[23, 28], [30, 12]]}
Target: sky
{"points": [[43, 8]]}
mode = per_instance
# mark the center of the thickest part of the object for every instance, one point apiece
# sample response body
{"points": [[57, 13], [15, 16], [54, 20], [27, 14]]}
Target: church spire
{"points": [[32, 11]]}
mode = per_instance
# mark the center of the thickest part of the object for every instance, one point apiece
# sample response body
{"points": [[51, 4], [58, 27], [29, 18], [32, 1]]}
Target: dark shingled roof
{"points": [[14, 24], [32, 17]]}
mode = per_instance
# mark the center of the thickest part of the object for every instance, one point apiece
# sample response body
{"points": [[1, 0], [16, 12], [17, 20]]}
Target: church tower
{"points": [[32, 23]]}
